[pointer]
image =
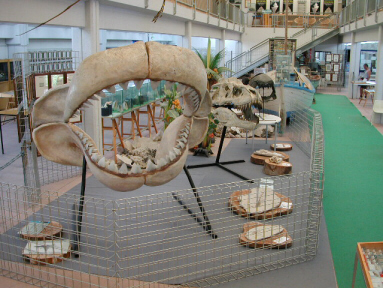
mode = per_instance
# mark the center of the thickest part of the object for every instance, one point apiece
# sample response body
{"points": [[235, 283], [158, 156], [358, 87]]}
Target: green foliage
{"points": [[211, 63], [171, 105]]}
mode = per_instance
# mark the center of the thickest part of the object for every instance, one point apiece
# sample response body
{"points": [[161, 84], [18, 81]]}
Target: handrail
{"points": [[251, 49], [247, 58]]}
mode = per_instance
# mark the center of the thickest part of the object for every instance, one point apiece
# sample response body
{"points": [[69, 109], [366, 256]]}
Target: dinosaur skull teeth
{"points": [[126, 167]]}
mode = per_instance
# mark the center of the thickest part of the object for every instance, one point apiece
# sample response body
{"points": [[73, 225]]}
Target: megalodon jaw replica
{"points": [[64, 143], [232, 93]]}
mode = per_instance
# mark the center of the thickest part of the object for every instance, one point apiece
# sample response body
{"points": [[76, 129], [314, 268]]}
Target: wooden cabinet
{"points": [[6, 75]]}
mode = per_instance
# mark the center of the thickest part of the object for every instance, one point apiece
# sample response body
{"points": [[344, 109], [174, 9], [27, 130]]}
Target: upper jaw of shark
{"points": [[118, 66]]}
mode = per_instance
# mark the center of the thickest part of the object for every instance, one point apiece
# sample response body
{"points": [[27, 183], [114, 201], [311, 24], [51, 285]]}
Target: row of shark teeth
{"points": [[125, 168], [190, 92]]}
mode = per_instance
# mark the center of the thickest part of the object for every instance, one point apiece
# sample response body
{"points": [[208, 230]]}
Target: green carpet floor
{"points": [[353, 190]]}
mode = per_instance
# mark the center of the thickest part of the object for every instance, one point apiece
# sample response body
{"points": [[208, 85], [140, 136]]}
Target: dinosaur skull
{"points": [[64, 143], [231, 91]]}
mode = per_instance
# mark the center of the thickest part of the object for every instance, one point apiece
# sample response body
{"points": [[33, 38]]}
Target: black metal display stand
{"points": [[221, 164], [78, 220], [205, 222]]}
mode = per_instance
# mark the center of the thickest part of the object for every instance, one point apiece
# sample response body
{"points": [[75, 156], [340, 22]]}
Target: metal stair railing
{"points": [[259, 53]]}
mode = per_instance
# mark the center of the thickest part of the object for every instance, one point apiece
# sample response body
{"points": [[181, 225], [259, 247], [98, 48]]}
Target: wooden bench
{"points": [[377, 109]]}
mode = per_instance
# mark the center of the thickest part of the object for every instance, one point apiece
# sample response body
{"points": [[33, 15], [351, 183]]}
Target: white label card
{"points": [[280, 240], [286, 205]]}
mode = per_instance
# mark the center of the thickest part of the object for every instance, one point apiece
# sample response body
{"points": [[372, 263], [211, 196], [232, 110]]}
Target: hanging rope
{"points": [[70, 6]]}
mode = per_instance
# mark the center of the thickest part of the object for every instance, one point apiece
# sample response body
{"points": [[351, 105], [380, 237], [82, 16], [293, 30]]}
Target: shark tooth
{"points": [[124, 85], [154, 84], [90, 151], [123, 169], [136, 169], [150, 166], [84, 105], [111, 89], [181, 144], [84, 140], [189, 90], [167, 158], [113, 167], [181, 88], [94, 97], [184, 140], [138, 84], [80, 135], [95, 157], [102, 162], [162, 162], [177, 151], [172, 155], [101, 94]]}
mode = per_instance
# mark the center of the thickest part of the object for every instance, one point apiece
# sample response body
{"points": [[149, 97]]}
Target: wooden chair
{"points": [[366, 93], [4, 101]]}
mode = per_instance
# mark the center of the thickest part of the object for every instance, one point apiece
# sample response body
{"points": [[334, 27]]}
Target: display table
{"points": [[135, 125], [269, 119], [361, 83], [363, 262]]}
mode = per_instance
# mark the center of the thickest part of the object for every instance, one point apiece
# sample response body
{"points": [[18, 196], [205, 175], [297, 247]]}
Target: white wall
{"points": [[331, 45], [253, 35]]}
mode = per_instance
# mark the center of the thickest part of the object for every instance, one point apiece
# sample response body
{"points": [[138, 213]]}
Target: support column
{"points": [[321, 10], [187, 39], [379, 74], [91, 45], [222, 46], [77, 42], [354, 66]]}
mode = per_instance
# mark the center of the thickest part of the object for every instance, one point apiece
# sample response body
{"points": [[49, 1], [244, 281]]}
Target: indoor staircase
{"points": [[259, 54]]}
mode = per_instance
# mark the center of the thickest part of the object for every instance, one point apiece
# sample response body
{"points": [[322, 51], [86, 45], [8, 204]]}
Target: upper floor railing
{"points": [[359, 9], [259, 53], [221, 9], [294, 20]]}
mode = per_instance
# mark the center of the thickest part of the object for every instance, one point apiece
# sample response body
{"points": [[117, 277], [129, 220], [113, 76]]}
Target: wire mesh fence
{"points": [[150, 241], [52, 65]]}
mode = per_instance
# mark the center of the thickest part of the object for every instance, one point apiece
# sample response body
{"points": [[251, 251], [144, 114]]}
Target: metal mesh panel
{"points": [[139, 241], [152, 239], [37, 170]]}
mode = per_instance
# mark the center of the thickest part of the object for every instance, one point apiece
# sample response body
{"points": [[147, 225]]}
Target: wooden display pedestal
{"points": [[285, 208], [274, 169], [282, 147], [53, 230], [277, 241], [260, 160]]}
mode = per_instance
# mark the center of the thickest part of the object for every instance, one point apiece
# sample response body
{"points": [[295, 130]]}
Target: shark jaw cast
{"points": [[65, 143]]}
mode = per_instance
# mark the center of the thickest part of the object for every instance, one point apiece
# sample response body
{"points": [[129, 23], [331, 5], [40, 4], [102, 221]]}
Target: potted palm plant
{"points": [[211, 63]]}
